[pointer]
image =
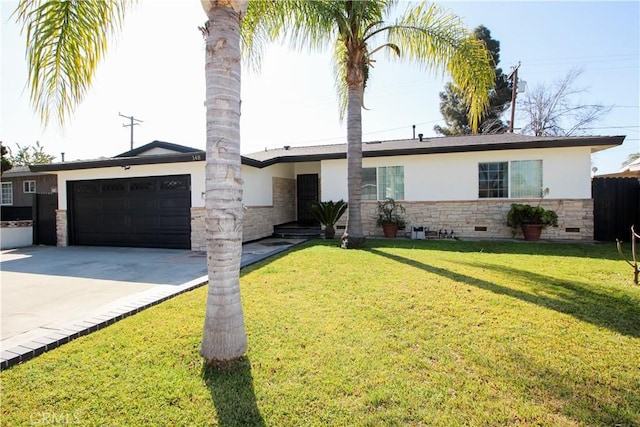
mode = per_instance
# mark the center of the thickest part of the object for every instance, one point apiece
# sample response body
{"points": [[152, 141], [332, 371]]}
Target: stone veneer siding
{"points": [[468, 218], [257, 221], [62, 236], [16, 224], [464, 217], [198, 236]]}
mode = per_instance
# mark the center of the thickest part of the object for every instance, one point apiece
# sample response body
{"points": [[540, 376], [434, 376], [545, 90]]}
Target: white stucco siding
{"points": [[454, 176], [446, 177], [567, 173], [305, 168], [195, 169], [333, 180], [257, 189]]}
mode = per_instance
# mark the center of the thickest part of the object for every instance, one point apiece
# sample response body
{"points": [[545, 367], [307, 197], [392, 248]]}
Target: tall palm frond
{"points": [[430, 36], [66, 39], [425, 34]]}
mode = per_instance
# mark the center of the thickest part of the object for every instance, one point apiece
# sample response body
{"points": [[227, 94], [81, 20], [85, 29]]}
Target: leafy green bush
{"points": [[390, 212], [526, 214]]}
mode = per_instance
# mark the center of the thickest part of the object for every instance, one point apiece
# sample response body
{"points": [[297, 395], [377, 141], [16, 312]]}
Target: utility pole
{"points": [[131, 125], [514, 76]]}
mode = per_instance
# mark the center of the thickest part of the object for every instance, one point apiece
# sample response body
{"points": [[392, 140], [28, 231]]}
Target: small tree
{"points": [[31, 155], [455, 110], [556, 110], [632, 158], [6, 163]]}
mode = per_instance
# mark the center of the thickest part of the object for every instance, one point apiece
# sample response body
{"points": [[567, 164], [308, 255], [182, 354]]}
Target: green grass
{"points": [[402, 333]]}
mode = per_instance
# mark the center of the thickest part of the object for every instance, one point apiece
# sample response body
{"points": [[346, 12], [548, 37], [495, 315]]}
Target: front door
{"points": [[307, 193]]}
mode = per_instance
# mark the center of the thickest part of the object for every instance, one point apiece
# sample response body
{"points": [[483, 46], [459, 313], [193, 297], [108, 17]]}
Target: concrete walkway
{"points": [[52, 295]]}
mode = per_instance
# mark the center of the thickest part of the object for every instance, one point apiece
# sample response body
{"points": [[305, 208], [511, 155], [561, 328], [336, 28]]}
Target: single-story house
{"points": [[154, 195]]}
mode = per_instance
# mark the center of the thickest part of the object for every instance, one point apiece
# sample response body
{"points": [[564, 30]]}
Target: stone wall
{"points": [[62, 236], [198, 235], [487, 218], [257, 221], [284, 200]]}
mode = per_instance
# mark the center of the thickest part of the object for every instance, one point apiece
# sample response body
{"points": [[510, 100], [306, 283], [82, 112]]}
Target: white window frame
{"points": [[378, 182], [29, 186], [8, 201], [511, 165]]}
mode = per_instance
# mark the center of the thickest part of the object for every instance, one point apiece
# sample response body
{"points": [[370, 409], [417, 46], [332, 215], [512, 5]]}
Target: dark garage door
{"points": [[150, 212]]}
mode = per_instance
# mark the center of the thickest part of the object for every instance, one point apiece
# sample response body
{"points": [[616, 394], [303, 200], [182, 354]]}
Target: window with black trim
{"points": [[493, 180]]}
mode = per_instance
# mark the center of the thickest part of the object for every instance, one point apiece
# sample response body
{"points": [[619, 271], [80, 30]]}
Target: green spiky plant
{"points": [[328, 214]]}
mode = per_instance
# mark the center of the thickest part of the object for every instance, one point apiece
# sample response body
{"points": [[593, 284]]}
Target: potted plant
{"points": [[390, 217], [531, 219], [328, 213]]}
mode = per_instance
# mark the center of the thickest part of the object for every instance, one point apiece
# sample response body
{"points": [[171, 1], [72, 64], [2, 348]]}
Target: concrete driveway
{"points": [[51, 295], [44, 287]]}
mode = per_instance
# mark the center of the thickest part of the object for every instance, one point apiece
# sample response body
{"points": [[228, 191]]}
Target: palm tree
{"points": [[65, 41], [224, 336], [357, 29]]}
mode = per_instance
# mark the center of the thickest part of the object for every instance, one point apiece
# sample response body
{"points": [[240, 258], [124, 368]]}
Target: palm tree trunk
{"points": [[224, 335], [353, 237]]}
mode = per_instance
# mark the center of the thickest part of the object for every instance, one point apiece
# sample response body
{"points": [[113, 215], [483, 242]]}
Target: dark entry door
{"points": [[44, 219], [151, 212], [308, 192]]}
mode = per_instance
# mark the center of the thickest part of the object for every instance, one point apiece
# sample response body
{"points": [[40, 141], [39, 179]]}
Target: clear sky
{"points": [[155, 72]]}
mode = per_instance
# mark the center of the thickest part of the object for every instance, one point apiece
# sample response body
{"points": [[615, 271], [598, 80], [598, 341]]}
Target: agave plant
{"points": [[328, 213]]}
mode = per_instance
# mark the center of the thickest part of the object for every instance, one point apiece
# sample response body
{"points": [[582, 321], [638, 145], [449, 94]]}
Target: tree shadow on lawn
{"points": [[579, 395], [232, 393], [517, 247], [576, 299]]}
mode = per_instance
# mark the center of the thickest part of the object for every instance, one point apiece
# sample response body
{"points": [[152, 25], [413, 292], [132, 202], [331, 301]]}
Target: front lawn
{"points": [[401, 333]]}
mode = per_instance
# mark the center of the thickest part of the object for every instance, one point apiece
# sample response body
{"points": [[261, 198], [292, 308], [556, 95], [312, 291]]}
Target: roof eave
{"points": [[121, 161]]}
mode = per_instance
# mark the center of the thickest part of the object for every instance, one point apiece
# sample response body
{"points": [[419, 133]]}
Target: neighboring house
{"points": [[19, 189], [632, 170], [19, 184], [154, 195]]}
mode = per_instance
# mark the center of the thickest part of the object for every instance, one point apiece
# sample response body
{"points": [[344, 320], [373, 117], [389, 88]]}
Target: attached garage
{"points": [[152, 212]]}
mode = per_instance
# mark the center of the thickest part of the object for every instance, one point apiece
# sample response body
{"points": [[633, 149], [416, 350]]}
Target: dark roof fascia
{"points": [[132, 161], [608, 141], [296, 159], [252, 162], [122, 161], [522, 145]]}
